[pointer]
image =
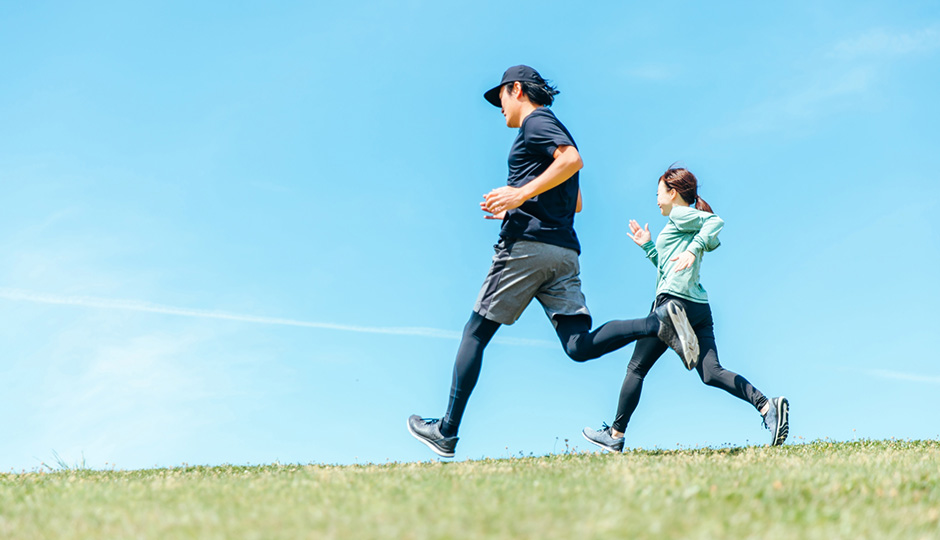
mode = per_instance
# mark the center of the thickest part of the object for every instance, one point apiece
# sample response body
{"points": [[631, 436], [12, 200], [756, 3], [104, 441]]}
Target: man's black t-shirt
{"points": [[548, 217]]}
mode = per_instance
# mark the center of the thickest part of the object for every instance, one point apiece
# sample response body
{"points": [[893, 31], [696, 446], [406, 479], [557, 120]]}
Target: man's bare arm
{"points": [[567, 162]]}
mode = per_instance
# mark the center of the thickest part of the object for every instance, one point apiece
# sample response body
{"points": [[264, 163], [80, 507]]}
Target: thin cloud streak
{"points": [[884, 42], [809, 102], [20, 295], [887, 374], [856, 66]]}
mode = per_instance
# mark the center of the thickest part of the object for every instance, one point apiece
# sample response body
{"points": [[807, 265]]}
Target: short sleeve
{"points": [[544, 134]]}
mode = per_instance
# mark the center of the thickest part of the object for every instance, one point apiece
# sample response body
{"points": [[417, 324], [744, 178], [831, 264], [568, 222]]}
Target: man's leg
{"points": [[581, 344], [440, 435], [565, 306], [514, 277], [668, 322], [476, 335]]}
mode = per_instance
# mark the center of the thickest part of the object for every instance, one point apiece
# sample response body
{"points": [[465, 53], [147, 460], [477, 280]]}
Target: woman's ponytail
{"points": [[700, 204], [683, 181]]}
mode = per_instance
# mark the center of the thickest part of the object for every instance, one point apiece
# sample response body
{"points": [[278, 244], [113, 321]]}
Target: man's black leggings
{"points": [[579, 342], [648, 350]]}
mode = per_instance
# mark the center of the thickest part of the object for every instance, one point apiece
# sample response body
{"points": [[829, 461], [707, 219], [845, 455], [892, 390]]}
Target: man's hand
{"points": [[686, 258], [567, 161], [640, 236], [502, 199], [489, 215]]}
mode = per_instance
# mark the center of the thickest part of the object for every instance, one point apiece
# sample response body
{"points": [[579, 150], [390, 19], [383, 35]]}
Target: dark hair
{"points": [[540, 92], [686, 184]]}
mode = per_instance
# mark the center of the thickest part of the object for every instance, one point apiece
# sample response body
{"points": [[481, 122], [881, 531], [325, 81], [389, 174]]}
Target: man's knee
{"points": [[479, 328], [571, 330], [578, 354]]}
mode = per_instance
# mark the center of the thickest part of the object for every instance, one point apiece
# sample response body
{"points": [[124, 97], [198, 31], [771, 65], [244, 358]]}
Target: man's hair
{"points": [[540, 93]]}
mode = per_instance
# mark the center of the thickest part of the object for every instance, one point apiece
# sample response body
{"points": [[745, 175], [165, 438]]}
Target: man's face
{"points": [[511, 104]]}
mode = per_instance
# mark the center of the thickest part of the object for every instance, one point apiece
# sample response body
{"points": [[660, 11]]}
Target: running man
{"points": [[692, 229], [537, 256]]}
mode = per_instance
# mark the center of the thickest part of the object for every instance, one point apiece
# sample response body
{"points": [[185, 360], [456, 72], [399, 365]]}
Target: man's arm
{"points": [[502, 214], [567, 162]]}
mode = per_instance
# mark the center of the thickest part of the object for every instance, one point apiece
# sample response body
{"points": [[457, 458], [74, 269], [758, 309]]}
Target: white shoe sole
{"points": [[604, 446], [433, 448], [680, 321], [783, 421]]}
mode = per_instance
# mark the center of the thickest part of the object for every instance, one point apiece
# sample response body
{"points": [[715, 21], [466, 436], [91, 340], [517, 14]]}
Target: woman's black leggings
{"points": [[579, 342], [648, 350]]}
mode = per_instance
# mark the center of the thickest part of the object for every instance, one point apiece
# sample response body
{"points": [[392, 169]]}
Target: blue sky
{"points": [[235, 233]]}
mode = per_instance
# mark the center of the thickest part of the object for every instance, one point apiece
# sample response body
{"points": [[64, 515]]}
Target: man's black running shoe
{"points": [[428, 431]]}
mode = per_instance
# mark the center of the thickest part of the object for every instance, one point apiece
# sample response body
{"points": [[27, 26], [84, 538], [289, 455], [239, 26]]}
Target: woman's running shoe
{"points": [[777, 420], [602, 437]]}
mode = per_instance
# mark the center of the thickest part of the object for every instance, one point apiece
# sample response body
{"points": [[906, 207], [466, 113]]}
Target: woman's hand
{"points": [[686, 258], [640, 236]]}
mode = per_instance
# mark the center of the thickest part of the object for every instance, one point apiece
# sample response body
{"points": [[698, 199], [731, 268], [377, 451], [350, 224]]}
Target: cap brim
{"points": [[492, 95]]}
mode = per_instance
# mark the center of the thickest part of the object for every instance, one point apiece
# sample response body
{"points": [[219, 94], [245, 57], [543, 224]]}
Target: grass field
{"points": [[824, 490]]}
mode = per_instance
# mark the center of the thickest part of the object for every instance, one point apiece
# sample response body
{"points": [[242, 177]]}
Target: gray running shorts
{"points": [[523, 270]]}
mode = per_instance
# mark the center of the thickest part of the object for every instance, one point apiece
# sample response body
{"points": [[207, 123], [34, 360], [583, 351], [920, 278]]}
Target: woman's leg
{"points": [[476, 335], [647, 351], [710, 370]]}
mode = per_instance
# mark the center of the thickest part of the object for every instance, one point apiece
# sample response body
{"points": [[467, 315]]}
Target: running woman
{"points": [[691, 231], [537, 256]]}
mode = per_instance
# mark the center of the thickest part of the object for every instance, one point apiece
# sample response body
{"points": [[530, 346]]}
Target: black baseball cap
{"points": [[515, 73]]}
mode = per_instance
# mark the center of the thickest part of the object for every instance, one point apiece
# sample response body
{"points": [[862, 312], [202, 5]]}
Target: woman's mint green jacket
{"points": [[690, 230]]}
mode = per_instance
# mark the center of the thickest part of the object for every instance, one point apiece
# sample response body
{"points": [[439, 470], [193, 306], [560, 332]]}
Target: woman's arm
{"points": [[643, 238], [706, 227], [706, 239]]}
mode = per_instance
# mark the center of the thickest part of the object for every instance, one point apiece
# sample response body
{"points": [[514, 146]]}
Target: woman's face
{"points": [[665, 198]]}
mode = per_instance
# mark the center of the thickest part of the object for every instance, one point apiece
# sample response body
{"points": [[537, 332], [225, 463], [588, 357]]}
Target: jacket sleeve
{"points": [[705, 225], [651, 253]]}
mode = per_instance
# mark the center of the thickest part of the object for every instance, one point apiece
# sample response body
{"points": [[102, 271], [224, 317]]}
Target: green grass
{"points": [[824, 490]]}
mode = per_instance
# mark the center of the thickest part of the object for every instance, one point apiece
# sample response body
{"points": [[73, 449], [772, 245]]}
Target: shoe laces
{"points": [[609, 430], [770, 419]]}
